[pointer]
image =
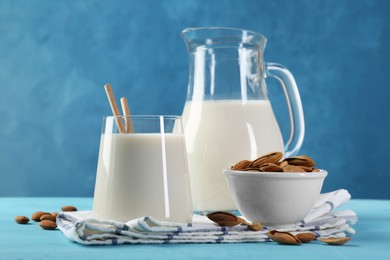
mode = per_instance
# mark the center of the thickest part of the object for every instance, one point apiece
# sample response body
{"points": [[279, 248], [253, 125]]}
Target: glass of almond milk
{"points": [[144, 173]]}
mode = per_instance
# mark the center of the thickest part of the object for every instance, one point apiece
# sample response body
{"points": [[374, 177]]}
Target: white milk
{"points": [[131, 181], [218, 135]]}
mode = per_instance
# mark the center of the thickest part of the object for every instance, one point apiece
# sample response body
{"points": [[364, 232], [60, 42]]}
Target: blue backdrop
{"points": [[55, 57]]}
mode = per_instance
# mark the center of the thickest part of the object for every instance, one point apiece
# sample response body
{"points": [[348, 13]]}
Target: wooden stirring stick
{"points": [[114, 108], [126, 113]]}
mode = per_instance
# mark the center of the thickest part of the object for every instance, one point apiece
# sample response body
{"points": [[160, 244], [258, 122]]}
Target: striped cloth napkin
{"points": [[323, 221]]}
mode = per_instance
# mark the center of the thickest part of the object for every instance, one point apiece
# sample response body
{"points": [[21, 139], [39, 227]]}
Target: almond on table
{"points": [[256, 226], [335, 240], [37, 215], [22, 219], [283, 238], [224, 218], [48, 224], [69, 208], [48, 217], [305, 237], [227, 219]]}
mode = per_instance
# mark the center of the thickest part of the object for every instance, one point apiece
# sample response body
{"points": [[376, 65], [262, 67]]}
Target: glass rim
{"points": [[145, 117], [226, 29], [222, 37]]}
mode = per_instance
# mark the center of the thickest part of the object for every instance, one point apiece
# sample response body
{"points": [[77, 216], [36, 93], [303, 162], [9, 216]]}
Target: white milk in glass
{"points": [[142, 175], [218, 135]]}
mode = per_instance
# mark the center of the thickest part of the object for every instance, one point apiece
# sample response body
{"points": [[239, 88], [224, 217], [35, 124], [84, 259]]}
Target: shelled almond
{"points": [[37, 215], [69, 208], [48, 224], [305, 237], [283, 238], [22, 219], [223, 218], [335, 240], [228, 219], [48, 217]]}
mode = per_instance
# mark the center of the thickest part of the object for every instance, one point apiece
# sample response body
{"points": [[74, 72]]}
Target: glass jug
{"points": [[227, 116]]}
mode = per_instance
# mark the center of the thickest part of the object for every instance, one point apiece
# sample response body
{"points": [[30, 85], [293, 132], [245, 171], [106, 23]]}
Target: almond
{"points": [[48, 217], [301, 160], [306, 168], [334, 240], [293, 168], [22, 219], [37, 215], [54, 214], [69, 208], [305, 237], [224, 218], [256, 226], [273, 157], [283, 164], [48, 224], [251, 169], [244, 222], [241, 165], [270, 167], [283, 238]]}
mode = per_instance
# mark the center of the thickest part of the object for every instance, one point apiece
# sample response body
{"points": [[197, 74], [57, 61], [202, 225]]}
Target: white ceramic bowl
{"points": [[274, 198]]}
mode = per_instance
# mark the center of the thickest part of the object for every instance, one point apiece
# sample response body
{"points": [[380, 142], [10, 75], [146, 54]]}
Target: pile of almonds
{"points": [[46, 220], [228, 219], [271, 162]]}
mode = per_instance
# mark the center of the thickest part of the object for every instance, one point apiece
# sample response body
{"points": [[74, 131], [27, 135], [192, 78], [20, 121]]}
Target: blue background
{"points": [[55, 57]]}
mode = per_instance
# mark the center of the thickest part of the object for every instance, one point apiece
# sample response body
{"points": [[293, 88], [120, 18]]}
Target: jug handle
{"points": [[294, 104]]}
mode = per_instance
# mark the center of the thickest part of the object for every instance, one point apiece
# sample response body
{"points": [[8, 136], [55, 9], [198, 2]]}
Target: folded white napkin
{"points": [[82, 228]]}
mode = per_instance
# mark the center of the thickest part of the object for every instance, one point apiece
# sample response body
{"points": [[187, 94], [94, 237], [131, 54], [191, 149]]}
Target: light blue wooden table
{"points": [[372, 240]]}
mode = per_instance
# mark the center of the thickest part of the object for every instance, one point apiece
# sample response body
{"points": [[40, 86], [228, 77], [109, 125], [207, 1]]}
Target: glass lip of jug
{"points": [[150, 117], [222, 37]]}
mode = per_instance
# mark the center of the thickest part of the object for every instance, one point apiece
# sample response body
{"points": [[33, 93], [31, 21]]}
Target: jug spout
{"points": [[213, 37]]}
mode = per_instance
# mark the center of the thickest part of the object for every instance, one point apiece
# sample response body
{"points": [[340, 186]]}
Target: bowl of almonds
{"points": [[273, 191]]}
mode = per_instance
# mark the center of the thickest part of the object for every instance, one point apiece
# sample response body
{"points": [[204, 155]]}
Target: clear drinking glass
{"points": [[144, 173]]}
